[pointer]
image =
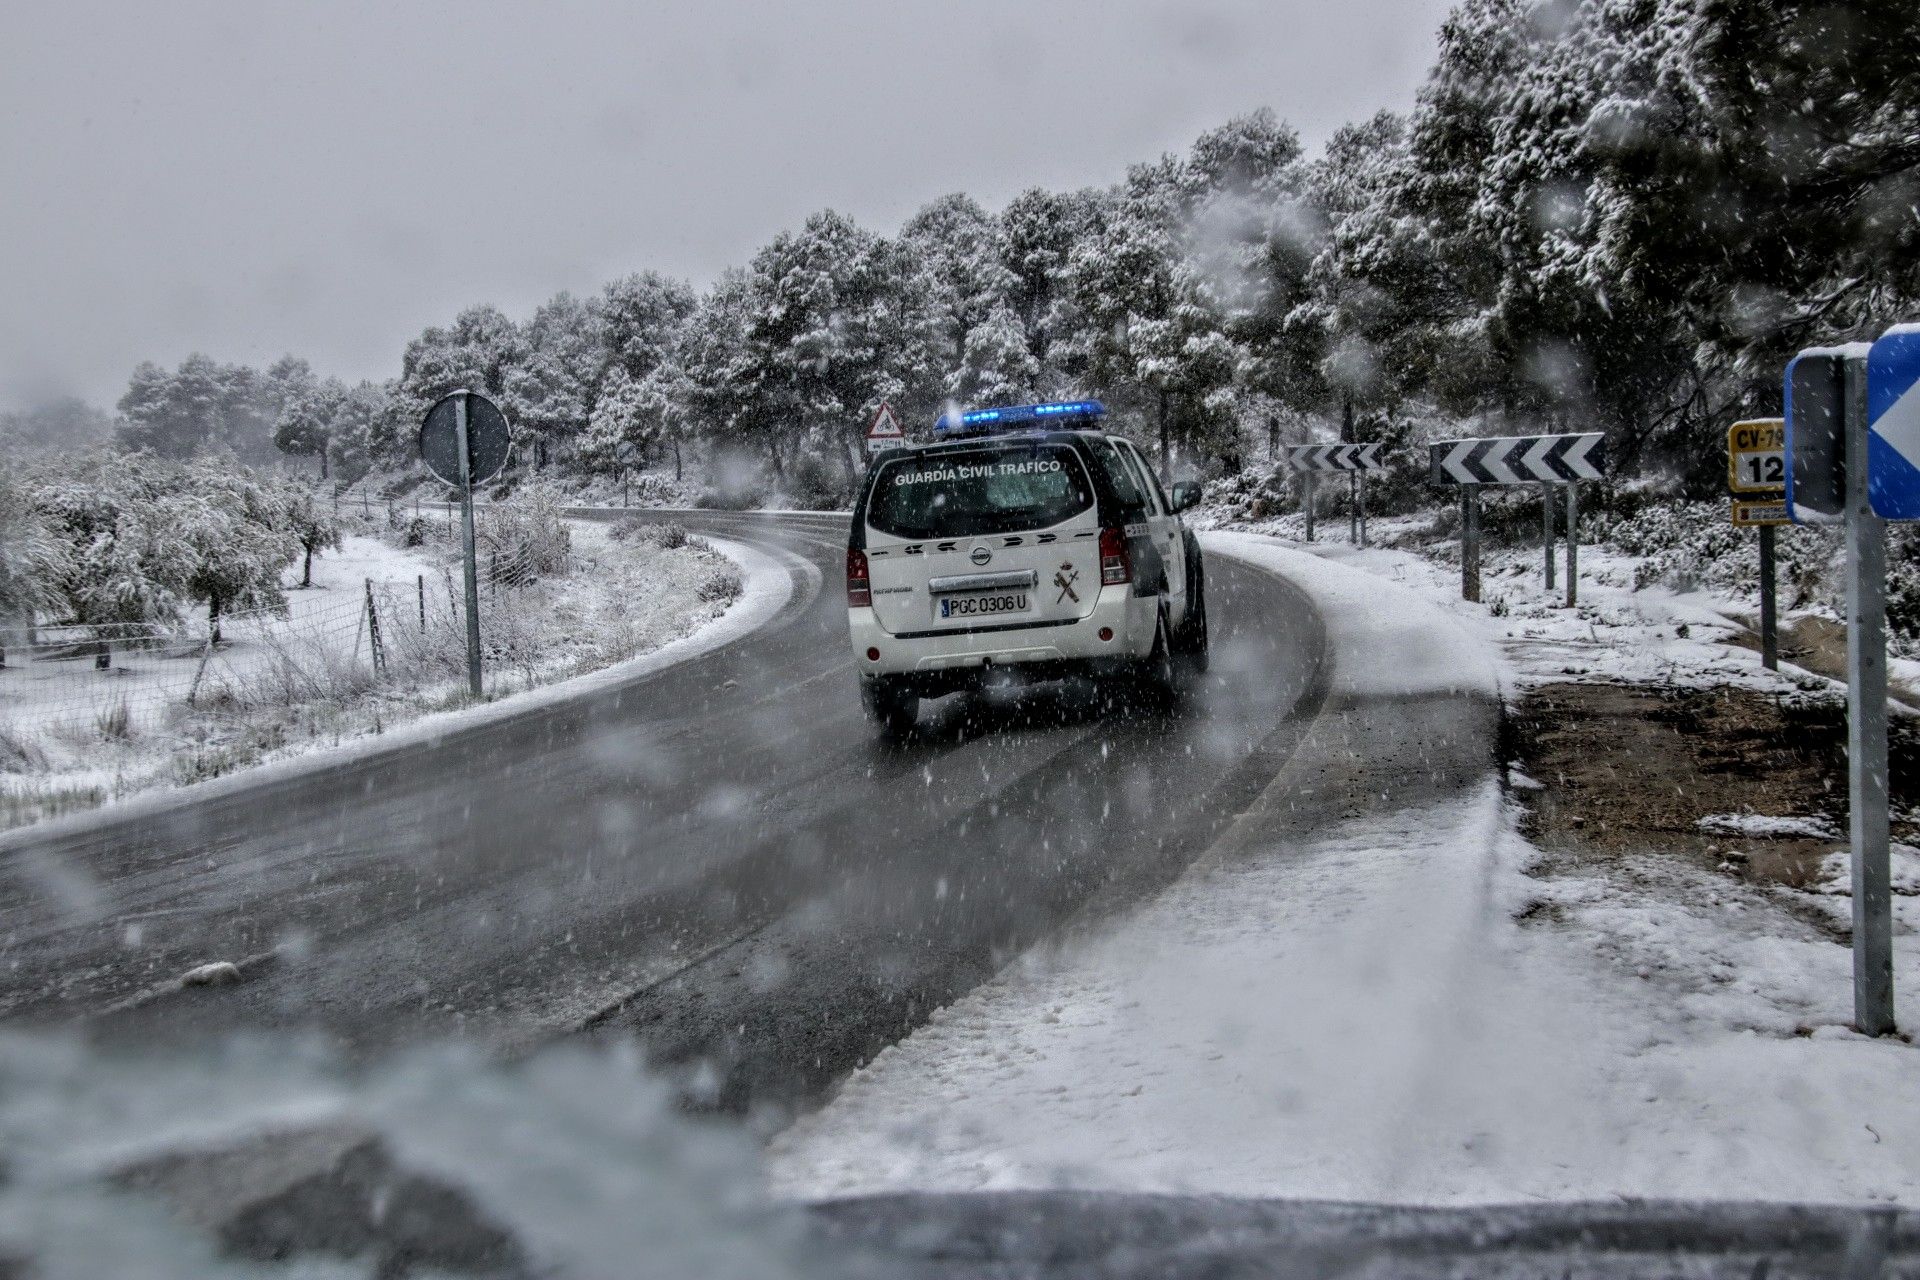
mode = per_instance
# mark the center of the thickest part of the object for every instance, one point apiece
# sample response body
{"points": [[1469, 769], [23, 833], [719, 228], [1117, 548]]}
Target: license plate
{"points": [[981, 606]]}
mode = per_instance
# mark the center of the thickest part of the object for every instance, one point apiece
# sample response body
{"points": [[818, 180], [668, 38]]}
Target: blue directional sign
{"points": [[1893, 424]]}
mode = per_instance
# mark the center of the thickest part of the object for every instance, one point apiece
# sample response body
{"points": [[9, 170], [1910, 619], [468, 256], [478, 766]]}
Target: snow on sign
{"points": [[1893, 424], [1518, 459], [1329, 458], [885, 433], [1757, 455]]}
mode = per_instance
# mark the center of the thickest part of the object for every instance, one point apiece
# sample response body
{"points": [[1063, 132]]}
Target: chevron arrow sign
{"points": [[1325, 458], [1518, 459]]}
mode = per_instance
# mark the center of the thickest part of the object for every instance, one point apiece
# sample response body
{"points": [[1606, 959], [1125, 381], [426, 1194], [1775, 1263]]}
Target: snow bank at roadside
{"points": [[1386, 638], [1392, 1010]]}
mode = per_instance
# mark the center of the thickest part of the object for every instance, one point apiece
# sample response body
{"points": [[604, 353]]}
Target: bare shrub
{"points": [[114, 722], [19, 751]]}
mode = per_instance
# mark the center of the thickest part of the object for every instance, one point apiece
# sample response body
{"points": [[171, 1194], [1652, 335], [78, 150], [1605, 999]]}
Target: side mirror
{"points": [[1184, 494]]}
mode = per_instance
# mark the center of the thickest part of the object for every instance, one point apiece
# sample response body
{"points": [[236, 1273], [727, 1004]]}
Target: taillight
{"points": [[859, 585], [1116, 565]]}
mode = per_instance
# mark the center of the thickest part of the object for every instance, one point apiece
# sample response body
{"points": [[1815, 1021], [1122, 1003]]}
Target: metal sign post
{"points": [[1307, 500], [1769, 610], [1470, 543], [466, 541], [1360, 501], [464, 441], [1573, 543], [1867, 726], [1546, 532]]}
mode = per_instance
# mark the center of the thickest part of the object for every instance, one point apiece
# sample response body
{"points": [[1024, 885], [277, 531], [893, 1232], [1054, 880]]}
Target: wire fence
{"points": [[116, 681]]}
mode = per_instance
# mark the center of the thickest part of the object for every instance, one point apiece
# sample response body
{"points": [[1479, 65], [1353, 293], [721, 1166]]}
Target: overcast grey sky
{"points": [[252, 178]]}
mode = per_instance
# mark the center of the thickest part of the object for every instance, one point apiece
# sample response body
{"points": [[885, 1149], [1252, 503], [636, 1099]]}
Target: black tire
{"points": [[892, 710], [1157, 677], [1191, 643]]}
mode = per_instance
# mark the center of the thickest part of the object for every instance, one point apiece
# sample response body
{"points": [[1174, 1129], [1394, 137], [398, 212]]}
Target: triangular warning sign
{"points": [[885, 425]]}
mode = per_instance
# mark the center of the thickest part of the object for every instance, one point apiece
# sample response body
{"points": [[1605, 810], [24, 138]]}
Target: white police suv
{"points": [[1021, 538]]}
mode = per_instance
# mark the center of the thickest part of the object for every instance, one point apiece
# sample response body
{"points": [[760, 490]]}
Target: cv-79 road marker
{"points": [[1757, 464]]}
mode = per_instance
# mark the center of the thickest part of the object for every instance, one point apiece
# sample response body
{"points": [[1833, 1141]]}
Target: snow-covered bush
{"points": [[1688, 545], [525, 537], [667, 536]]}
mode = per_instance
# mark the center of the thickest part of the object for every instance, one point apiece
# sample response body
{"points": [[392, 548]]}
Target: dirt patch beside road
{"points": [[1629, 771]]}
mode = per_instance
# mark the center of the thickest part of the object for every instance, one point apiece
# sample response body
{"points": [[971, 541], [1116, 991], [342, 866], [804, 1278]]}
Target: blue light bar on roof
{"points": [[975, 421]]}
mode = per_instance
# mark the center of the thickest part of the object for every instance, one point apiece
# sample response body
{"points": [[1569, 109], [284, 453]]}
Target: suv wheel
{"points": [[892, 709], [1157, 679], [1191, 643]]}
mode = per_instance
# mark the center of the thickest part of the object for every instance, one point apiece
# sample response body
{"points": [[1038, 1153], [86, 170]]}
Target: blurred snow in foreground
{"points": [[577, 1161]]}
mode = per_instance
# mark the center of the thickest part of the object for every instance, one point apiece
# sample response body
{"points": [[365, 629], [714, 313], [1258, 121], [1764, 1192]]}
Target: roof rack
{"points": [[985, 421]]}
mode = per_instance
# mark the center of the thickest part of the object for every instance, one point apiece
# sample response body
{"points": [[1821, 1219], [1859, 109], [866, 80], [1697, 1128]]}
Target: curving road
{"points": [[718, 857]]}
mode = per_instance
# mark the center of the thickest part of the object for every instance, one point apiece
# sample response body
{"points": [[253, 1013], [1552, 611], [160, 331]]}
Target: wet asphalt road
{"points": [[718, 857]]}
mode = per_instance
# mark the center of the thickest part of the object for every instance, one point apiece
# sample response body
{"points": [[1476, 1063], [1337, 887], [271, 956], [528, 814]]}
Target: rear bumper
{"points": [[957, 658]]}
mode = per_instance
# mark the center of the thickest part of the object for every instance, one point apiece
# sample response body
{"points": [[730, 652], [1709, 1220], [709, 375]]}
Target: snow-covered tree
{"points": [[996, 365], [551, 385], [33, 561], [312, 524], [308, 415], [954, 249], [642, 317]]}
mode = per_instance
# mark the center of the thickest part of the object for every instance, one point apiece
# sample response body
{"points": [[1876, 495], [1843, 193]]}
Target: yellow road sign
{"points": [[1747, 514], [1757, 456]]}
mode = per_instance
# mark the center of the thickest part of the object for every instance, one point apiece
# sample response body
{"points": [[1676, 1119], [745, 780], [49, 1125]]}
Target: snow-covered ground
{"points": [[282, 686], [1390, 1008]]}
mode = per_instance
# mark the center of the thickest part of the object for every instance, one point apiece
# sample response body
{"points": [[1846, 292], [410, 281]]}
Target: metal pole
{"points": [[1573, 544], [1307, 482], [1546, 530], [1867, 727], [1360, 479], [1353, 508], [1470, 543], [423, 603], [1769, 604], [466, 522]]}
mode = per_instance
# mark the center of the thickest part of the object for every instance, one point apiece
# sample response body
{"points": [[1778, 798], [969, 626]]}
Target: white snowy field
{"points": [[281, 686], [1392, 1009]]}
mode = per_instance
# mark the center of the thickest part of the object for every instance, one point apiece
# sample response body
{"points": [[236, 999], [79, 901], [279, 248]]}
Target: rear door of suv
{"points": [[994, 534]]}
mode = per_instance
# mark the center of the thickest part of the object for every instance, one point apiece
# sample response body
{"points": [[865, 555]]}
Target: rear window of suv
{"points": [[991, 489]]}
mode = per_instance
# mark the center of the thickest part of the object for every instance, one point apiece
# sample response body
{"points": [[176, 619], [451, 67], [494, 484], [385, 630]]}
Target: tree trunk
{"points": [[677, 466], [323, 462], [1346, 420], [306, 576], [1166, 443], [773, 451], [213, 619]]}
